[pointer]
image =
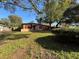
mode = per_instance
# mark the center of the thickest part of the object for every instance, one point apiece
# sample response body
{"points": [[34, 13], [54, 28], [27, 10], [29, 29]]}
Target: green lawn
{"points": [[39, 45]]}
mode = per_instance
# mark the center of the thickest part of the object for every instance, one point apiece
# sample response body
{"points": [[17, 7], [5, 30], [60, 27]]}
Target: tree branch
{"points": [[17, 5], [35, 7]]}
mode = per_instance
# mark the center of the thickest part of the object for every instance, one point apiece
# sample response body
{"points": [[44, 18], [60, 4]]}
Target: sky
{"points": [[77, 1], [27, 16]]}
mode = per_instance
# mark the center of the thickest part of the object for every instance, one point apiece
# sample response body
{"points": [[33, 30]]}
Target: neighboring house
{"points": [[34, 27], [74, 25], [4, 28]]}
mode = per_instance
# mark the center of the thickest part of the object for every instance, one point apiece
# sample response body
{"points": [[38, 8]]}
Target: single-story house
{"points": [[4, 28], [34, 27]]}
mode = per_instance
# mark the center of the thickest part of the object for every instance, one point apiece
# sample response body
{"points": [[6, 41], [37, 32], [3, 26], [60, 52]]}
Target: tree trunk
{"points": [[59, 22], [50, 27]]}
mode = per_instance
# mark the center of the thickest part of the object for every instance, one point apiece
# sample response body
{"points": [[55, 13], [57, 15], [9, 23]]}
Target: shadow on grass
{"points": [[66, 41], [66, 36], [10, 36]]}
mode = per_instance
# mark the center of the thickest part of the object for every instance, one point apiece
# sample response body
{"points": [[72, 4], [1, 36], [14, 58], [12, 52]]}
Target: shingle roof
{"points": [[36, 24]]}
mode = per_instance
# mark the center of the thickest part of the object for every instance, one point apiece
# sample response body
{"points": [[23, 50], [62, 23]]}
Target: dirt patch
{"points": [[19, 54], [2, 42], [29, 53]]}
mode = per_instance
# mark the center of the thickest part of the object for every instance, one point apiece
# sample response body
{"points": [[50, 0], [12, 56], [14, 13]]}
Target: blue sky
{"points": [[27, 16]]}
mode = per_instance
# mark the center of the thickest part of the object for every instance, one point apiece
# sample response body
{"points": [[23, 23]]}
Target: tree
{"points": [[72, 14], [15, 21], [11, 5], [54, 9], [39, 19], [5, 22]]}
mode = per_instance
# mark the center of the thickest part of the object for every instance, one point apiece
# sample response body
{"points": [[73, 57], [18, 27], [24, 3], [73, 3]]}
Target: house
{"points": [[4, 28], [34, 27]]}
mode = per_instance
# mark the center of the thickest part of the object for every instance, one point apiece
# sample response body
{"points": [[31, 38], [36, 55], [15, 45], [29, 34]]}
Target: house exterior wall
{"points": [[25, 28], [4, 29], [36, 27]]}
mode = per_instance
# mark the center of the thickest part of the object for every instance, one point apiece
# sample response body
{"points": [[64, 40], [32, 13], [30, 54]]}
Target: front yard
{"points": [[35, 45]]}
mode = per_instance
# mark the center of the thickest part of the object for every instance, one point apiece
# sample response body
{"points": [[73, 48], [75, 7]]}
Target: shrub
{"points": [[66, 36]]}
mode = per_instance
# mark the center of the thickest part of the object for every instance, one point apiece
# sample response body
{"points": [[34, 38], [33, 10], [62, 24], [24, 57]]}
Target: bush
{"points": [[66, 36]]}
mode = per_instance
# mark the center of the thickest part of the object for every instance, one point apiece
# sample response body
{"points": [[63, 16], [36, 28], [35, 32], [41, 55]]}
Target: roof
{"points": [[36, 24], [28, 23]]}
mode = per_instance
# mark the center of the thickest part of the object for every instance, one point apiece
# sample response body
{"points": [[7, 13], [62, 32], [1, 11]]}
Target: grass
{"points": [[39, 45], [12, 43], [76, 28]]}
